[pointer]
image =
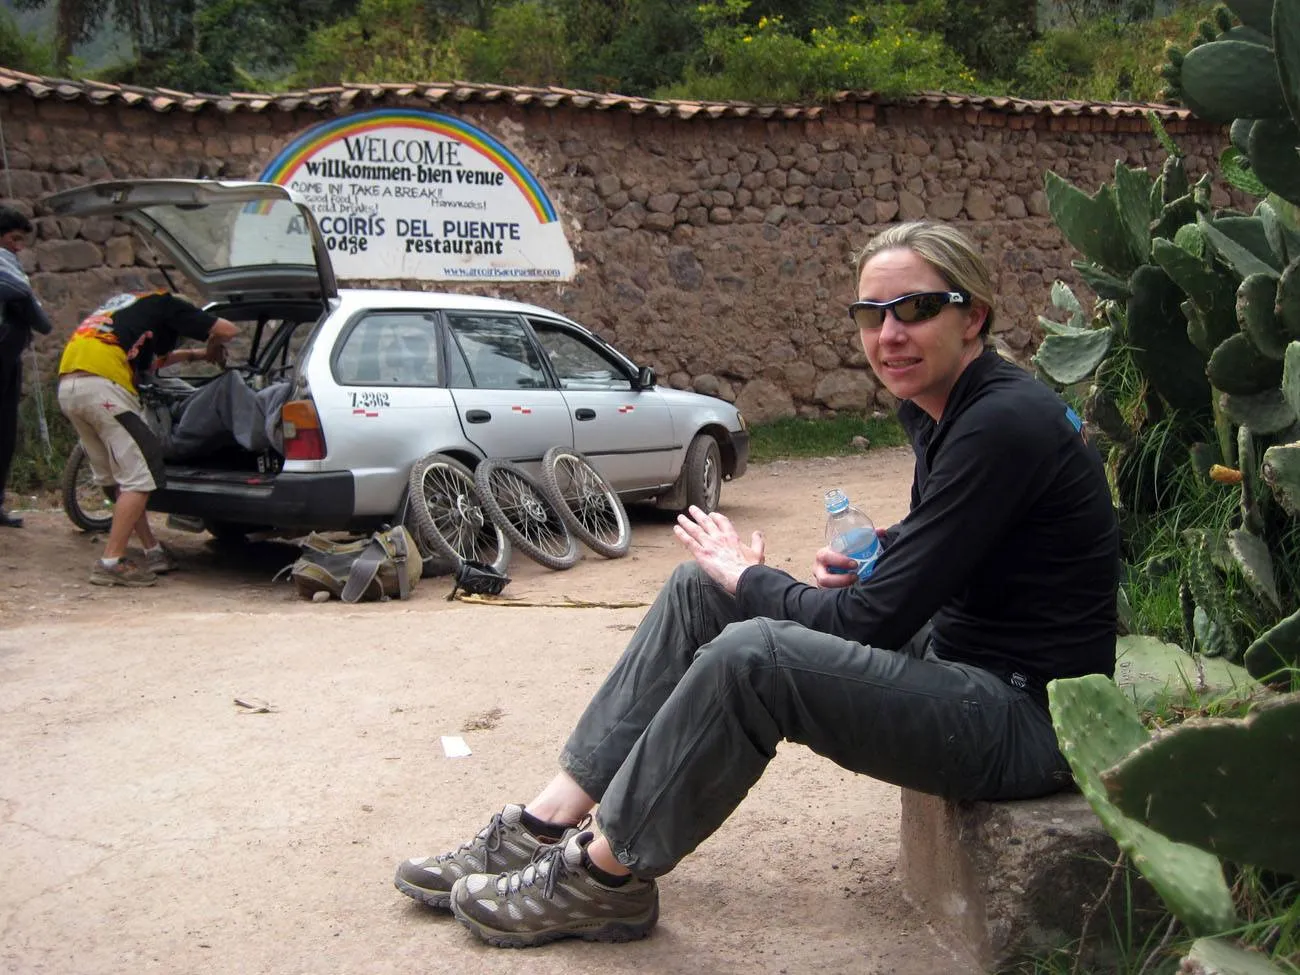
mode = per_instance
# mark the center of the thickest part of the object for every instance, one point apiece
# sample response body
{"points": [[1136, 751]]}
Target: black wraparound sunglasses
{"points": [[909, 309]]}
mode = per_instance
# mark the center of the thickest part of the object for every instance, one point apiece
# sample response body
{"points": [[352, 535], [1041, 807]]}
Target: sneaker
{"points": [[125, 573], [503, 844], [554, 897], [9, 521], [159, 562]]}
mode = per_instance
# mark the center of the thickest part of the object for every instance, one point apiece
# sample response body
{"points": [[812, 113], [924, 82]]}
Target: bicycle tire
{"points": [[519, 505], [88, 505], [587, 502], [452, 523]]}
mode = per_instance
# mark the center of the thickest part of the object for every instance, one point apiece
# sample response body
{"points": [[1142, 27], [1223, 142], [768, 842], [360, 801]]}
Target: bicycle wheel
{"points": [[449, 515], [587, 502], [87, 505], [518, 504]]}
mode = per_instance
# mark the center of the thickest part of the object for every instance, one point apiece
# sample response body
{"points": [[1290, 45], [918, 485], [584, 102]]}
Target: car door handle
{"points": [[584, 414], [477, 416]]}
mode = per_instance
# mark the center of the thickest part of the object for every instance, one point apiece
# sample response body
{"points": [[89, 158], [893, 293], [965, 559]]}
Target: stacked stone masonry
{"points": [[717, 250]]}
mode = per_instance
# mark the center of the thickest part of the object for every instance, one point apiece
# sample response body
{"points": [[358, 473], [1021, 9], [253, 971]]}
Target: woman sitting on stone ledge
{"points": [[930, 673]]}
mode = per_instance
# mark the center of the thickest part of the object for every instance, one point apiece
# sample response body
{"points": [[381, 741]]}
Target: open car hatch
{"points": [[236, 241]]}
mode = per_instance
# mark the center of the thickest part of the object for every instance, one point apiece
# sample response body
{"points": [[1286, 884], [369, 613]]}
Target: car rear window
{"points": [[389, 349]]}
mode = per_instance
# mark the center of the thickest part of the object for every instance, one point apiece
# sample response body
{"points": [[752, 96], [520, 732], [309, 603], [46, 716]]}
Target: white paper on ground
{"points": [[454, 746]]}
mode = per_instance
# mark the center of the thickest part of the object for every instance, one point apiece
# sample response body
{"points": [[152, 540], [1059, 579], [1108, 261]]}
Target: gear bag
{"points": [[383, 566]]}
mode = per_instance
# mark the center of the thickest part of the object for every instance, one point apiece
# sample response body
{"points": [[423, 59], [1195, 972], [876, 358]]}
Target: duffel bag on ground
{"points": [[385, 565]]}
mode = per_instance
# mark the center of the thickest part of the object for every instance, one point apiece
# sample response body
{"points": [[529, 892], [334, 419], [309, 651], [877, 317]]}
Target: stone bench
{"points": [[1003, 881]]}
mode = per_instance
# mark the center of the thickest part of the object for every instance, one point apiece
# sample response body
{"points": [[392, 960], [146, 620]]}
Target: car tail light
{"points": [[303, 437]]}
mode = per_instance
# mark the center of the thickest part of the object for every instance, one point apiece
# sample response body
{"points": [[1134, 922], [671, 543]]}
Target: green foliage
{"points": [[796, 437], [525, 44], [385, 40], [24, 52], [880, 48], [1104, 58], [34, 471]]}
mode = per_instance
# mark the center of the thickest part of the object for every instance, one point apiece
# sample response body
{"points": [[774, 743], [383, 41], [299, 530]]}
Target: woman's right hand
{"points": [[827, 559]]}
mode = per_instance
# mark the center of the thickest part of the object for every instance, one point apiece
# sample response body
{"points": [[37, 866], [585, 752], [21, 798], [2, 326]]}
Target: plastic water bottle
{"points": [[850, 532]]}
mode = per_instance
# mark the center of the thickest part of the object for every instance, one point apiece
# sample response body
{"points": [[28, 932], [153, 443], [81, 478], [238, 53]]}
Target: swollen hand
{"points": [[713, 543], [827, 559]]}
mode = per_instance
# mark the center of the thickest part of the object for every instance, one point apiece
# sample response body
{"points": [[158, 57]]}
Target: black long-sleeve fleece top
{"points": [[1010, 545]]}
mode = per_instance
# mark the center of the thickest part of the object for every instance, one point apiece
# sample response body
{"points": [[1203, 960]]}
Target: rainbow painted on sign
{"points": [[283, 167]]}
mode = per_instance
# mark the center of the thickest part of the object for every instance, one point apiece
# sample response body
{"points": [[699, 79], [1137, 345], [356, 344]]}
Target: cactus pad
{"points": [[1290, 390], [1286, 44], [1228, 786], [1256, 564], [1256, 300], [1265, 413], [1227, 80], [1067, 359], [1281, 472], [1093, 225], [1157, 332], [1288, 300], [1096, 727], [1215, 956], [1272, 152], [1253, 13], [1239, 368], [1275, 649]]}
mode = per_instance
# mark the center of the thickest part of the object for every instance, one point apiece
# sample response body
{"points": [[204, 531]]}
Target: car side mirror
{"points": [[645, 378]]}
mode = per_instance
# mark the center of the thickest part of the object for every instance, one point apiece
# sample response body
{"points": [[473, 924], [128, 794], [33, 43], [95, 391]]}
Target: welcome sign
{"points": [[413, 194]]}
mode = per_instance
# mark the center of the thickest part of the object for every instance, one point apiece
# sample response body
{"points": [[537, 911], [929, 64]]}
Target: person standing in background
{"points": [[20, 315]]}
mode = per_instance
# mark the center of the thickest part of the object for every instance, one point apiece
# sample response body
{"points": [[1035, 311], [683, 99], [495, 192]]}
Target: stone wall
{"points": [[716, 249]]}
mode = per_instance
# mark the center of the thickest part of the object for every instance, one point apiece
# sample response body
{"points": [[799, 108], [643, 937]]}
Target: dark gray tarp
{"points": [[228, 411]]}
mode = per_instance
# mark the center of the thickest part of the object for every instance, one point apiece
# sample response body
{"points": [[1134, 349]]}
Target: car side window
{"points": [[499, 351], [580, 364], [389, 349]]}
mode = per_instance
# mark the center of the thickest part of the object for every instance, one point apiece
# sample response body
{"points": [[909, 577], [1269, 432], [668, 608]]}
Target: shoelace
{"points": [[491, 837], [548, 863]]}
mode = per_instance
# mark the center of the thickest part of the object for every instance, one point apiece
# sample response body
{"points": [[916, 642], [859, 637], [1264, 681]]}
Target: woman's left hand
{"points": [[713, 543]]}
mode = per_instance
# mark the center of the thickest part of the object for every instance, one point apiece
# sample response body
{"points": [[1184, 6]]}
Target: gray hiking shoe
{"points": [[554, 897], [503, 844], [124, 573], [159, 562]]}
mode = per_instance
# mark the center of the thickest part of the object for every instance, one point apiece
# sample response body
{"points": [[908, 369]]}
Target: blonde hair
{"points": [[947, 250]]}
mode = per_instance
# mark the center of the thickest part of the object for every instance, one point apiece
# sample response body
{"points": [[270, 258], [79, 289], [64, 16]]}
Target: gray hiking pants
{"points": [[692, 713]]}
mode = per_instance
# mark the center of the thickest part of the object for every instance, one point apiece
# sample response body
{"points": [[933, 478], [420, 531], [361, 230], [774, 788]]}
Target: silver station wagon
{"points": [[381, 386]]}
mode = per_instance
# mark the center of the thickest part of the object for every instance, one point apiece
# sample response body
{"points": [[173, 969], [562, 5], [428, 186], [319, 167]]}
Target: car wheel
{"points": [[519, 505], [87, 505], [703, 473], [587, 502], [449, 517]]}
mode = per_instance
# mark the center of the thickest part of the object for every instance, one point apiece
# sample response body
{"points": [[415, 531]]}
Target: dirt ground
{"points": [[148, 823]]}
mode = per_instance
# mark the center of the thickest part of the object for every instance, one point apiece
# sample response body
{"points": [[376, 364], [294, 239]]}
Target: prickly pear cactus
{"points": [[1216, 956], [1281, 472], [1274, 650], [1217, 784], [1095, 225], [1097, 727]]}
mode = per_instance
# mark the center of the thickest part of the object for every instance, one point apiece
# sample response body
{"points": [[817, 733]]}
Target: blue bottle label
{"points": [[860, 544]]}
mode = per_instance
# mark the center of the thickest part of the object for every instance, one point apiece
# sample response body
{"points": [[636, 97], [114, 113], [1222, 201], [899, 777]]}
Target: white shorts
{"points": [[111, 426]]}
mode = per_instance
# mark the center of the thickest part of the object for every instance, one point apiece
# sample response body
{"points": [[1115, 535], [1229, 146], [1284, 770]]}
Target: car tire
{"points": [[587, 502], [448, 514], [702, 473], [520, 507], [87, 505]]}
